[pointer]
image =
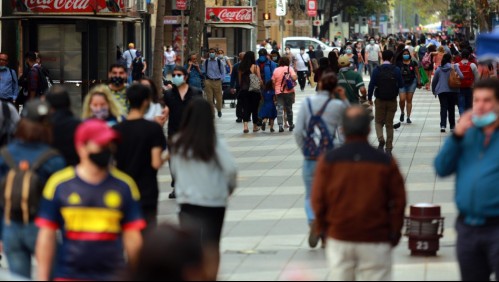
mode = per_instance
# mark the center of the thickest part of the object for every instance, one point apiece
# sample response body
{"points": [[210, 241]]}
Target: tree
{"points": [[159, 43], [196, 26]]}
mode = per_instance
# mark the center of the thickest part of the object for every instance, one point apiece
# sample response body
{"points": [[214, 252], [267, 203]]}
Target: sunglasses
{"points": [[177, 75]]}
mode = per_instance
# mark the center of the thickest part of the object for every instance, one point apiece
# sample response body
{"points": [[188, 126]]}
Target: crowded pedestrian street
{"points": [[265, 231]]}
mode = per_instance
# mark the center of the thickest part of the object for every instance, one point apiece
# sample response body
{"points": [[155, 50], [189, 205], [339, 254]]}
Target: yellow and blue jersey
{"points": [[92, 219]]}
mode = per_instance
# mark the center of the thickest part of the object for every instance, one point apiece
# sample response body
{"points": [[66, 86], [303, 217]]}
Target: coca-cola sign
{"points": [[68, 6], [230, 15]]}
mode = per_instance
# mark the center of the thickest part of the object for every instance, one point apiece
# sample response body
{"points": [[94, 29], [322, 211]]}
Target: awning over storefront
{"points": [[245, 26], [57, 17]]}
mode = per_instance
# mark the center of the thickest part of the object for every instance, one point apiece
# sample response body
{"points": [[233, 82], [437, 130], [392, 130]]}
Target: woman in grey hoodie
{"points": [[446, 94], [205, 175]]}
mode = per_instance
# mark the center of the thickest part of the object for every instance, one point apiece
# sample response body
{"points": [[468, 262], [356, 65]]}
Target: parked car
{"points": [[296, 42]]}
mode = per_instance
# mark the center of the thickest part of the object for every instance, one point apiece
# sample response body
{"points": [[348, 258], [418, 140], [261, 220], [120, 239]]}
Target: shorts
{"points": [[411, 88]]}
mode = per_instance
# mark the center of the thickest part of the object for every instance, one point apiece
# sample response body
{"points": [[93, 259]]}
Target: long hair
{"points": [[104, 91], [247, 62], [154, 90], [34, 132], [197, 137], [333, 61], [447, 59]]}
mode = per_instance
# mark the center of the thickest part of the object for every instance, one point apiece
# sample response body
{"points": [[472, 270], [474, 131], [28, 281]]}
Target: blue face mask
{"points": [[407, 57], [349, 51], [178, 80], [484, 120], [262, 59], [212, 55]]}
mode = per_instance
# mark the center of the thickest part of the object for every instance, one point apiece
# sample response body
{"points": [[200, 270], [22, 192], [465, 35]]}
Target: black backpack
{"points": [[137, 67], [6, 132], [422, 51], [44, 81], [387, 87]]}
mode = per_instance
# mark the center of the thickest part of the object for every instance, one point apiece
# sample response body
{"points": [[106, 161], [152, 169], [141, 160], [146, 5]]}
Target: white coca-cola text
{"points": [[241, 15], [72, 5]]}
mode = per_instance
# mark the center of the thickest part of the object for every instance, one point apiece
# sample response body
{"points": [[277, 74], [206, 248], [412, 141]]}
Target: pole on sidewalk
{"points": [[182, 53]]}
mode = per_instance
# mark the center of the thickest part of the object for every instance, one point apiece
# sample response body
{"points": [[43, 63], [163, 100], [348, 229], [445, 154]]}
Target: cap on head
{"points": [[95, 131], [36, 110], [344, 61]]}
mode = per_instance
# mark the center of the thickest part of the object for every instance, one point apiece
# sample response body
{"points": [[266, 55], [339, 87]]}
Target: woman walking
{"points": [[268, 110], [446, 94], [197, 151], [250, 95], [411, 77]]}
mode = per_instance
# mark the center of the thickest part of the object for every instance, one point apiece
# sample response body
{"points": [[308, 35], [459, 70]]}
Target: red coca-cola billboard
{"points": [[230, 15], [68, 6]]}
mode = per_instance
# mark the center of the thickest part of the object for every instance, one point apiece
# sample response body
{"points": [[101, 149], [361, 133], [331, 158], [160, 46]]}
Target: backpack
{"points": [[21, 189], [44, 81], [287, 81], [387, 87], [469, 77], [319, 140], [426, 62], [137, 67], [6, 134], [422, 52], [454, 79]]}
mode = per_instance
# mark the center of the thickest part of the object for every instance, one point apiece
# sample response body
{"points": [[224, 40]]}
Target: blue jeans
{"points": [[308, 178], [168, 70], [360, 68], [465, 100], [19, 242], [372, 66]]}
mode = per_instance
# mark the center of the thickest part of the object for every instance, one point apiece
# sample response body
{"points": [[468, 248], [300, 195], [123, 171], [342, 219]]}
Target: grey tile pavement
{"points": [[265, 231]]}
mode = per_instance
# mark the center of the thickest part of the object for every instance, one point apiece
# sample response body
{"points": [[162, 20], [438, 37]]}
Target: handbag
{"points": [[254, 83], [454, 79]]}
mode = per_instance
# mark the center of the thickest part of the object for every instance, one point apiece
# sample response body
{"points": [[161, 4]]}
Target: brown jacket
{"points": [[358, 195]]}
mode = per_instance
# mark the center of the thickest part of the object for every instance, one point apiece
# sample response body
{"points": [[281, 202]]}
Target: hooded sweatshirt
{"points": [[440, 82]]}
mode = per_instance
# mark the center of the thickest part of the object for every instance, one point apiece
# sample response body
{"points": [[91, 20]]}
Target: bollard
{"points": [[424, 227]]}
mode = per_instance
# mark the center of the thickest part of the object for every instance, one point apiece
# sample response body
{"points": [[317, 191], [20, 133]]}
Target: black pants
{"points": [[150, 215], [448, 103], [250, 101], [207, 221], [239, 106], [302, 79]]}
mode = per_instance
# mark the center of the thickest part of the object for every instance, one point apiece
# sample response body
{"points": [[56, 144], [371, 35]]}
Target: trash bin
{"points": [[424, 227]]}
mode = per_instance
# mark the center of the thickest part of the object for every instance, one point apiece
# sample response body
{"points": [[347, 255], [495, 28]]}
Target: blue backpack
{"points": [[318, 140]]}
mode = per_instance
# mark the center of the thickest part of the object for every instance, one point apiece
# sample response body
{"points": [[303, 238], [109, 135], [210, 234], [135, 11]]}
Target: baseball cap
{"points": [[408, 42], [96, 131], [344, 61], [36, 110]]}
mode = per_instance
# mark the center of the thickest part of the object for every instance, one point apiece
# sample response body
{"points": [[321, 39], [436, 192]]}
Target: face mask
{"points": [[2, 68], [372, 42], [274, 59], [349, 51], [101, 114], [407, 57], [117, 81], [178, 80], [102, 159], [287, 51], [221, 56], [212, 55], [484, 120], [302, 52], [262, 59]]}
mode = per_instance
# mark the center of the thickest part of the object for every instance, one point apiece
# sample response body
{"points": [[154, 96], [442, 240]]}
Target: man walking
{"points": [[266, 66], [117, 84], [385, 83], [351, 80], [234, 86], [97, 209], [359, 249], [214, 73], [373, 52], [471, 75], [9, 88], [472, 153], [129, 56], [303, 65]]}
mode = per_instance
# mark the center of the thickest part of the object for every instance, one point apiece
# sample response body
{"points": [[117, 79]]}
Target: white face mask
{"points": [[302, 52]]}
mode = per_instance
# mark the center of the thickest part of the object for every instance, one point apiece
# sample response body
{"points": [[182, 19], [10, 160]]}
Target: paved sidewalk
{"points": [[265, 231]]}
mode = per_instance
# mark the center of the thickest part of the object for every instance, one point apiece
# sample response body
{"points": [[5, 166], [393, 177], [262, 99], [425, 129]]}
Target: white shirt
{"points": [[169, 58], [373, 51], [302, 62], [154, 111], [129, 56]]}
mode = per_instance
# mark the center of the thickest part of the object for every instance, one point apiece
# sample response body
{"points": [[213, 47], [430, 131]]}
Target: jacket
{"points": [[358, 195], [477, 174], [440, 83]]}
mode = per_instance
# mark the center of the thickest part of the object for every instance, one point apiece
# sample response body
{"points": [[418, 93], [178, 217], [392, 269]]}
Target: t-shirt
{"points": [[169, 58], [129, 56], [133, 156], [278, 77], [155, 110], [121, 99], [92, 219], [352, 81], [302, 63], [373, 51]]}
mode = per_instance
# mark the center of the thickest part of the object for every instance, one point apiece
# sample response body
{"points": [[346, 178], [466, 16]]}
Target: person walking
{"points": [[471, 153], [226, 61], [285, 94], [373, 54], [235, 88], [303, 65], [129, 56], [117, 84], [9, 118], [351, 81], [249, 74], [194, 71], [100, 104], [30, 151], [196, 150], [96, 208], [361, 58], [268, 111], [386, 81], [412, 78], [214, 74], [356, 249], [139, 67], [470, 76], [169, 61], [266, 66], [176, 101], [9, 85], [139, 154], [446, 94], [324, 112], [156, 112]]}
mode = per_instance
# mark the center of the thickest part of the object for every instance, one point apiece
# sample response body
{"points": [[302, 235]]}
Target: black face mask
{"points": [[102, 159], [118, 81]]}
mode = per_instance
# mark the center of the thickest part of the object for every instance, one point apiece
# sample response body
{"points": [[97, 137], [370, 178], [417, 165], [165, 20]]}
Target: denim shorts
{"points": [[411, 88]]}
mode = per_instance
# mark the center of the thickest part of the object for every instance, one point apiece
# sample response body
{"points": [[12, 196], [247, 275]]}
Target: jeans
{"points": [[372, 66], [19, 242], [302, 79], [477, 251], [465, 100], [308, 178], [285, 101], [360, 68], [168, 69], [448, 106], [383, 115]]}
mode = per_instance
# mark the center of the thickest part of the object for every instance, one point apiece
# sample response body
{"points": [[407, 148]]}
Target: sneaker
{"points": [[381, 146], [264, 125], [313, 239], [172, 195], [409, 121], [291, 127], [219, 114], [397, 125], [281, 129], [402, 117], [442, 129]]}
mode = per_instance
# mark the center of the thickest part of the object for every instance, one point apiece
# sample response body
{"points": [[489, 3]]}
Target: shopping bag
{"points": [[424, 76]]}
